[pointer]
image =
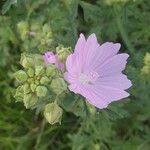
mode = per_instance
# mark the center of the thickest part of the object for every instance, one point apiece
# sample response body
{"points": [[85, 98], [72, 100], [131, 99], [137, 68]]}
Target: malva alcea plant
{"points": [[93, 71]]}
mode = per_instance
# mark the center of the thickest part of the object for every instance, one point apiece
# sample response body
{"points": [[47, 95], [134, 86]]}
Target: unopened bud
{"points": [[41, 91], [147, 59], [30, 72], [39, 70], [51, 70], [33, 87], [44, 80], [58, 85], [26, 62], [26, 88], [63, 53], [53, 113], [146, 70], [21, 76], [30, 100]]}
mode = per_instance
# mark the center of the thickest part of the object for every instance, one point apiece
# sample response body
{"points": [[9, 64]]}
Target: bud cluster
{"points": [[38, 81], [35, 35], [34, 79]]}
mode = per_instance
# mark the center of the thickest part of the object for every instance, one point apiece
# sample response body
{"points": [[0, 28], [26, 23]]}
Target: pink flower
{"points": [[95, 71], [51, 58]]}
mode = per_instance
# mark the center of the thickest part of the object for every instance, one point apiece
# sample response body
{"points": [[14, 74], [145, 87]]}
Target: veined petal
{"points": [[112, 66], [119, 81], [104, 52], [90, 50]]}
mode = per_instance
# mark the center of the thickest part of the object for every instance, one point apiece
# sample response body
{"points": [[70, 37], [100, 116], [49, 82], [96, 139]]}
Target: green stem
{"points": [[40, 134]]}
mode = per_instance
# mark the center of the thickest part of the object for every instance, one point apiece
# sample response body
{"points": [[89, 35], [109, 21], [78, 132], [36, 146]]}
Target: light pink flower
{"points": [[51, 58], [95, 71]]}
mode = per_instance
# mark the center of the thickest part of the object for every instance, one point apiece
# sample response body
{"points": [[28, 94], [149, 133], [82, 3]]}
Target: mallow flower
{"points": [[95, 71]]}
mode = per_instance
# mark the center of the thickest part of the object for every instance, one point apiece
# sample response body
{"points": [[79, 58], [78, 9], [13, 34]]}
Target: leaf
{"points": [[7, 5]]}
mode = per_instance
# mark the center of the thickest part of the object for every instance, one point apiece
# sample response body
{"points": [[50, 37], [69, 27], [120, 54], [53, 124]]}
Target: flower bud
{"points": [[63, 53], [30, 72], [39, 70], [147, 59], [58, 85], [30, 100], [26, 62], [53, 113], [33, 87], [51, 70], [19, 93], [146, 70], [45, 80], [21, 76], [26, 88], [41, 91]]}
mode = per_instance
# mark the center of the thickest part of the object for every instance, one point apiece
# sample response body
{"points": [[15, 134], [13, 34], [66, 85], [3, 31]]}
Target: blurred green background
{"points": [[37, 25]]}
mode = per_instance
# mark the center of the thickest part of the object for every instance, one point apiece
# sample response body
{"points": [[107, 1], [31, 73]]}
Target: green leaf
{"points": [[7, 5]]}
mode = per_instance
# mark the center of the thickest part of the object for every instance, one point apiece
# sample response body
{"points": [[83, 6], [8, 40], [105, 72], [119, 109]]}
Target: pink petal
{"points": [[90, 50], [101, 96], [112, 66], [105, 51], [95, 99], [117, 81]]}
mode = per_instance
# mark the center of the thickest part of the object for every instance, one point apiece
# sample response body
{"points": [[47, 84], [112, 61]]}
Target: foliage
{"points": [[33, 27]]}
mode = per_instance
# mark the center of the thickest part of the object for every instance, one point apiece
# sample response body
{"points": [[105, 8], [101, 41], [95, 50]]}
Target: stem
{"points": [[40, 134]]}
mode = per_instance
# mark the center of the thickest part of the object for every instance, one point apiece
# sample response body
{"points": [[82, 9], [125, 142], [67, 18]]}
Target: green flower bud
{"points": [[44, 80], [39, 70], [26, 62], [37, 82], [30, 72], [146, 70], [58, 85], [51, 70], [30, 80], [147, 59], [19, 93], [26, 88], [21, 76], [30, 100], [33, 87], [53, 113], [41, 91], [63, 53]]}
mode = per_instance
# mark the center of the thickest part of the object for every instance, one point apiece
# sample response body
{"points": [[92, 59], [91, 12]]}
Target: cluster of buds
{"points": [[35, 35], [146, 68], [33, 79], [41, 78]]}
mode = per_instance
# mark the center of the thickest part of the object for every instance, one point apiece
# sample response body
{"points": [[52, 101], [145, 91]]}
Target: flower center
{"points": [[89, 78]]}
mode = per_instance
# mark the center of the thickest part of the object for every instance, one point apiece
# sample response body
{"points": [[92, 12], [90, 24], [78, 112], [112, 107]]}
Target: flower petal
{"points": [[101, 96], [117, 81], [90, 50], [112, 66], [104, 52]]}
